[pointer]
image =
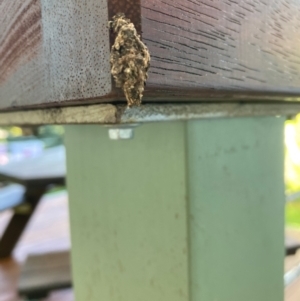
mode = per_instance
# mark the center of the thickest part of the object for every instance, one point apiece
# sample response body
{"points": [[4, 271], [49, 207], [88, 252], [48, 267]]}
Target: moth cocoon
{"points": [[129, 59]]}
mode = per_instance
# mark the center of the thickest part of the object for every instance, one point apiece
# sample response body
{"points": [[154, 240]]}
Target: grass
{"points": [[56, 189], [292, 214]]}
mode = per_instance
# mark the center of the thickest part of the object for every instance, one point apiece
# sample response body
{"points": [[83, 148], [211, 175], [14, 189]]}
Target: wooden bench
{"points": [[44, 273]]}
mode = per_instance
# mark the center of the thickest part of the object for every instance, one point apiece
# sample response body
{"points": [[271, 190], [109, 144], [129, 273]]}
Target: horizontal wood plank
{"points": [[108, 114], [249, 45], [57, 52], [44, 273]]}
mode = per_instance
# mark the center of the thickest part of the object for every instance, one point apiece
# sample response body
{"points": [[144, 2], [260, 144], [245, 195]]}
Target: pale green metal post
{"points": [[189, 211]]}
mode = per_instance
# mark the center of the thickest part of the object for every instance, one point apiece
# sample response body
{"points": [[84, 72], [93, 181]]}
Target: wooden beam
{"points": [[101, 114], [119, 114], [56, 53]]}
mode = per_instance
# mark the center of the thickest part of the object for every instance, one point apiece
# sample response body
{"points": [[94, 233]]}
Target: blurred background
{"points": [[292, 208], [292, 171], [49, 228]]}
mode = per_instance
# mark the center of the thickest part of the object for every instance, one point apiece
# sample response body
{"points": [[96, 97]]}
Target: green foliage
{"points": [[292, 169], [292, 154], [292, 213], [51, 135], [50, 130]]}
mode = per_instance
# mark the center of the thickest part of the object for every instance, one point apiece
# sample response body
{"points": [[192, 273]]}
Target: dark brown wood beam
{"points": [[53, 53]]}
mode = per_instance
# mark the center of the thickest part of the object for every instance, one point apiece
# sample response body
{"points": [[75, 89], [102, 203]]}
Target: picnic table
{"points": [[30, 178], [36, 175]]}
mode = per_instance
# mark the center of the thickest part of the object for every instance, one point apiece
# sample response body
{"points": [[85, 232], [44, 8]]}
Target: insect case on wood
{"points": [[129, 59]]}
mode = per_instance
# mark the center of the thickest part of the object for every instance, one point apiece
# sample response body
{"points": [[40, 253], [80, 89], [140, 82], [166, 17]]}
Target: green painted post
{"points": [[236, 197], [189, 211]]}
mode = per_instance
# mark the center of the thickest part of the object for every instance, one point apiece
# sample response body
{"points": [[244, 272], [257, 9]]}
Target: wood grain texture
{"points": [[57, 52], [21, 64], [69, 62], [233, 45], [22, 34]]}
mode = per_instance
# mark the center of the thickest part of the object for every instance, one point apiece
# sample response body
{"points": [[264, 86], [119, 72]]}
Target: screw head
{"points": [[120, 133]]}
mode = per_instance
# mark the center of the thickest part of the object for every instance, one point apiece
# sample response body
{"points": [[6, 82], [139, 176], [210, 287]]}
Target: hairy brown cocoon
{"points": [[129, 59]]}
